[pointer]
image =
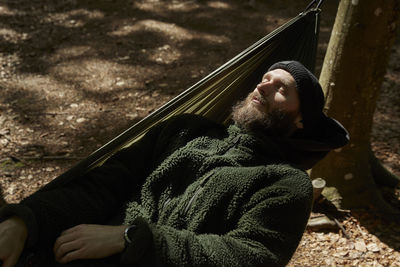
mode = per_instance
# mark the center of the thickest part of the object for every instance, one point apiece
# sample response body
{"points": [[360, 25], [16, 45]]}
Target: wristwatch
{"points": [[128, 234]]}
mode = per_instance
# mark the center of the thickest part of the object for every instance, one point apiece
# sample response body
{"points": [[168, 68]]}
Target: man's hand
{"points": [[13, 234], [89, 241]]}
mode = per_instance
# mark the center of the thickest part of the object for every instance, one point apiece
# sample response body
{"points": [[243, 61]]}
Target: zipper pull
{"points": [[197, 192], [205, 179]]}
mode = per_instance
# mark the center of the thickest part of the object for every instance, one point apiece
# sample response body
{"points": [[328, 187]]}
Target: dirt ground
{"points": [[74, 74]]}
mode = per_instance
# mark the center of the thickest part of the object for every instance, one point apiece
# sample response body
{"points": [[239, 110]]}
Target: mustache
{"points": [[259, 97]]}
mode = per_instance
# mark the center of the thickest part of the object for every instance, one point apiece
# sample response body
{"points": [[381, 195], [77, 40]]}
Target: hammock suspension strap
{"points": [[310, 5]]}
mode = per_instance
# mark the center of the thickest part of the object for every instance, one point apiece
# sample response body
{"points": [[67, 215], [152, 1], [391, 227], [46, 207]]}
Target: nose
{"points": [[264, 87]]}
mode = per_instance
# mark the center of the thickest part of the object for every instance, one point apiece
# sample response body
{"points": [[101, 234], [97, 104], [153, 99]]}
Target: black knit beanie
{"points": [[310, 92], [317, 126]]}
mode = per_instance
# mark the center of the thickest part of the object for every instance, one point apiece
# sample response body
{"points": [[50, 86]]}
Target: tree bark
{"points": [[352, 74]]}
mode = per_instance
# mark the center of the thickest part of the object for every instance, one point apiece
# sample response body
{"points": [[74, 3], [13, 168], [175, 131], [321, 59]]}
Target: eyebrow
{"points": [[284, 81]]}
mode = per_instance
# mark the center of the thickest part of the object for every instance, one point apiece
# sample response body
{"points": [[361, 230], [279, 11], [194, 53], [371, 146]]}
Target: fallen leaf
{"points": [[373, 247], [4, 131], [360, 246]]}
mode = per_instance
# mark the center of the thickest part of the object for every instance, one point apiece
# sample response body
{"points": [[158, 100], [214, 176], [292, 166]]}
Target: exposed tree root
{"points": [[382, 176]]}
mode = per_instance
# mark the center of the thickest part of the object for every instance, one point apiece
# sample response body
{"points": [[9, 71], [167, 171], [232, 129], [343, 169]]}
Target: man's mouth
{"points": [[255, 100], [258, 99]]}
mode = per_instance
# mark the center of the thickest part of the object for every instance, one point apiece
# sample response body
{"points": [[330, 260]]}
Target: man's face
{"points": [[273, 106]]}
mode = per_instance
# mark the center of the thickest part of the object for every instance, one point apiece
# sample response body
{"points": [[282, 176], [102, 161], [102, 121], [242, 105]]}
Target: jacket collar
{"points": [[260, 145], [302, 153]]}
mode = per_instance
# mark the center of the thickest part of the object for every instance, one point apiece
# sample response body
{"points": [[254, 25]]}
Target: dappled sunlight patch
{"points": [[12, 36], [219, 5], [169, 31], [39, 90], [159, 7], [69, 53], [164, 54], [100, 76], [91, 74], [125, 30], [186, 6], [74, 18], [6, 11], [219, 39]]}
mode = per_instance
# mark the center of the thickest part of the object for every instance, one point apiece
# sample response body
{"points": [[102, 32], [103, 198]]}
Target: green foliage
{"points": [[9, 165]]}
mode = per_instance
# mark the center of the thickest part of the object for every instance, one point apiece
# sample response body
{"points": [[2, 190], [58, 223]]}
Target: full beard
{"points": [[269, 122]]}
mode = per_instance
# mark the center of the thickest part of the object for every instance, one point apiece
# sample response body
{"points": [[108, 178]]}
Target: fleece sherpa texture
{"points": [[200, 195]]}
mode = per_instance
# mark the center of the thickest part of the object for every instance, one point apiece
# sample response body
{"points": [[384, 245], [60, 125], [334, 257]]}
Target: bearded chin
{"points": [[271, 123]]}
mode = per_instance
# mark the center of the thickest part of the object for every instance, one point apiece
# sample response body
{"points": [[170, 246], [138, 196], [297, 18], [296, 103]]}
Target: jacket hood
{"points": [[306, 148]]}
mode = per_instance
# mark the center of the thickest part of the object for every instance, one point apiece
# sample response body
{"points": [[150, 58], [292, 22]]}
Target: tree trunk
{"points": [[351, 76]]}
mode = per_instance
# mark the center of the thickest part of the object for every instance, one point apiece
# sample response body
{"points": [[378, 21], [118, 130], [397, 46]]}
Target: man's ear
{"points": [[299, 122]]}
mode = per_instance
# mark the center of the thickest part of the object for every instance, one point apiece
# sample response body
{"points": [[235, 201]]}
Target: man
{"points": [[191, 192]]}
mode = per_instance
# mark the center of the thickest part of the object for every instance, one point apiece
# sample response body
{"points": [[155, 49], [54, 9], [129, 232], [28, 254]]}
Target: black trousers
{"points": [[42, 258]]}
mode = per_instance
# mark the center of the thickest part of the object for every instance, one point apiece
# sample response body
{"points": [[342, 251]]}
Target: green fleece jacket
{"points": [[200, 194]]}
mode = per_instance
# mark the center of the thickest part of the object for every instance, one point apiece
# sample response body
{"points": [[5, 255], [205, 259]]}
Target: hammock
{"points": [[213, 96]]}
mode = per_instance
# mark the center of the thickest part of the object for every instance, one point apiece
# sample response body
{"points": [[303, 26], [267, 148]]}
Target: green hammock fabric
{"points": [[214, 95]]}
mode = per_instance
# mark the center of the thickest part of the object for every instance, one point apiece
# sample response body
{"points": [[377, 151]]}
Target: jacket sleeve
{"points": [[93, 197], [269, 230]]}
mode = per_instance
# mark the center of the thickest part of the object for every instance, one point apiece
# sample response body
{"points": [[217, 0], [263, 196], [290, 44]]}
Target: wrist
{"points": [[128, 234], [25, 217], [119, 240], [142, 243]]}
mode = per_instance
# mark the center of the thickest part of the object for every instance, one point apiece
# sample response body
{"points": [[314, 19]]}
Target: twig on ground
{"points": [[342, 228]]}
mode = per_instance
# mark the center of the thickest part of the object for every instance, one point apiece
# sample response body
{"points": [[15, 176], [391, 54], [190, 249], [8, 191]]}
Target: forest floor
{"points": [[74, 74]]}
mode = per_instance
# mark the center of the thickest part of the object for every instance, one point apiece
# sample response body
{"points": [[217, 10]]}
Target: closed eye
{"points": [[281, 88], [266, 77]]}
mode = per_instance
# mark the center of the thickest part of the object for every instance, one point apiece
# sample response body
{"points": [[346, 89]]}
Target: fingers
{"points": [[13, 233], [65, 237], [70, 256], [65, 250], [89, 242], [68, 245], [69, 235]]}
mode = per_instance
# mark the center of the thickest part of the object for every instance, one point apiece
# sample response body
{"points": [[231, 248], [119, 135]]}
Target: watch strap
{"points": [[127, 234]]}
